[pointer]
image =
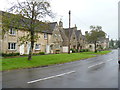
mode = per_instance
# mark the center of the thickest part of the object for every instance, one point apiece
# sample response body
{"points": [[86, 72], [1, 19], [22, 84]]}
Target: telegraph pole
{"points": [[108, 41], [69, 33]]}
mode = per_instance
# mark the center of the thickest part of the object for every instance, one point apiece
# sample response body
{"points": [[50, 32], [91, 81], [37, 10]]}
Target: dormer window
{"points": [[12, 31], [45, 35], [55, 35]]}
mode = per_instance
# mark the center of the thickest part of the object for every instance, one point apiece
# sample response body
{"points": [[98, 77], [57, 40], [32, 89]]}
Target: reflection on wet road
{"points": [[97, 72]]}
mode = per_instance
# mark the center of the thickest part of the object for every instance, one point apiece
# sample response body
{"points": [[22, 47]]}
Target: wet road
{"points": [[97, 72]]}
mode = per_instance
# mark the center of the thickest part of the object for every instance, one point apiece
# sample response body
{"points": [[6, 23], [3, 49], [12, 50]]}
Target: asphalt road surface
{"points": [[97, 72]]}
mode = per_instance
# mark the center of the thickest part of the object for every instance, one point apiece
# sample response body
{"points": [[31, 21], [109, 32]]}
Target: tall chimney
{"points": [[60, 23]]}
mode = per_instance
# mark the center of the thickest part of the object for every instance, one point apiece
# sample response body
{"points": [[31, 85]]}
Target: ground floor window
{"points": [[12, 31], [37, 46], [11, 46], [90, 46]]}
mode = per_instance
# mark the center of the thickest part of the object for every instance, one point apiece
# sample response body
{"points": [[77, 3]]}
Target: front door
{"points": [[51, 48], [47, 49], [22, 49], [74, 47], [28, 48]]}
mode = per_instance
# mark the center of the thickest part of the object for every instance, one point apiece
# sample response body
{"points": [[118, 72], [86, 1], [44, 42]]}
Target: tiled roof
{"points": [[78, 33], [67, 31], [22, 22], [64, 37], [51, 27]]}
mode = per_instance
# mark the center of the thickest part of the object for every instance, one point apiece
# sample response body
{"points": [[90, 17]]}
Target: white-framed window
{"points": [[37, 46], [12, 31], [55, 35], [45, 36], [11, 46]]}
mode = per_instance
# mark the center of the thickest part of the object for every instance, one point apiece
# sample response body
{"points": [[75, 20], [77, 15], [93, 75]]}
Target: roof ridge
{"points": [[51, 22]]}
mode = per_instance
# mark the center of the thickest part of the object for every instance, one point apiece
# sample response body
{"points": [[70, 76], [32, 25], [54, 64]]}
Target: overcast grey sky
{"points": [[83, 13]]}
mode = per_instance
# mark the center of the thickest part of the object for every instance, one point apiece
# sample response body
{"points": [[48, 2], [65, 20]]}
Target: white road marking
{"points": [[50, 77], [109, 60], [99, 63], [95, 65]]}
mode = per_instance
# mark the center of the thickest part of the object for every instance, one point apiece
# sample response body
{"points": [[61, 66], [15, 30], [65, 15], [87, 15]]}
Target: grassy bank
{"points": [[44, 60], [98, 53]]}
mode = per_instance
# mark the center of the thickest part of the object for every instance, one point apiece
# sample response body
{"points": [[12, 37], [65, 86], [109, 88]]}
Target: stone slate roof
{"points": [[78, 33], [64, 37], [51, 27], [67, 31], [22, 22], [83, 37]]}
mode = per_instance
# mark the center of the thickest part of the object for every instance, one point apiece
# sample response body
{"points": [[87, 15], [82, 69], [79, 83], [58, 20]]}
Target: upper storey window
{"points": [[12, 31], [45, 36]]}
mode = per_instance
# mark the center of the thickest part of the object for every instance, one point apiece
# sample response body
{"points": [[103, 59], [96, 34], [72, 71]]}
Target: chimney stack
{"points": [[60, 23]]}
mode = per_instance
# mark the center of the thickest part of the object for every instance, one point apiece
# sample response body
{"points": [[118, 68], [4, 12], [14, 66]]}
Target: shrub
{"points": [[76, 50], [108, 48], [73, 50], [34, 53], [10, 54], [81, 50], [25, 55], [16, 54], [42, 53], [84, 50]]}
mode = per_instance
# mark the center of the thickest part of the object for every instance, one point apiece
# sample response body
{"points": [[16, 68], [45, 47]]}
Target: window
{"points": [[73, 37], [45, 35], [97, 45], [90, 46], [12, 31], [11, 46], [55, 35], [37, 46]]}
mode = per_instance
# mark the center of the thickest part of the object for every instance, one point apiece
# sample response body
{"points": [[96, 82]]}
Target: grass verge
{"points": [[98, 53], [45, 60]]}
